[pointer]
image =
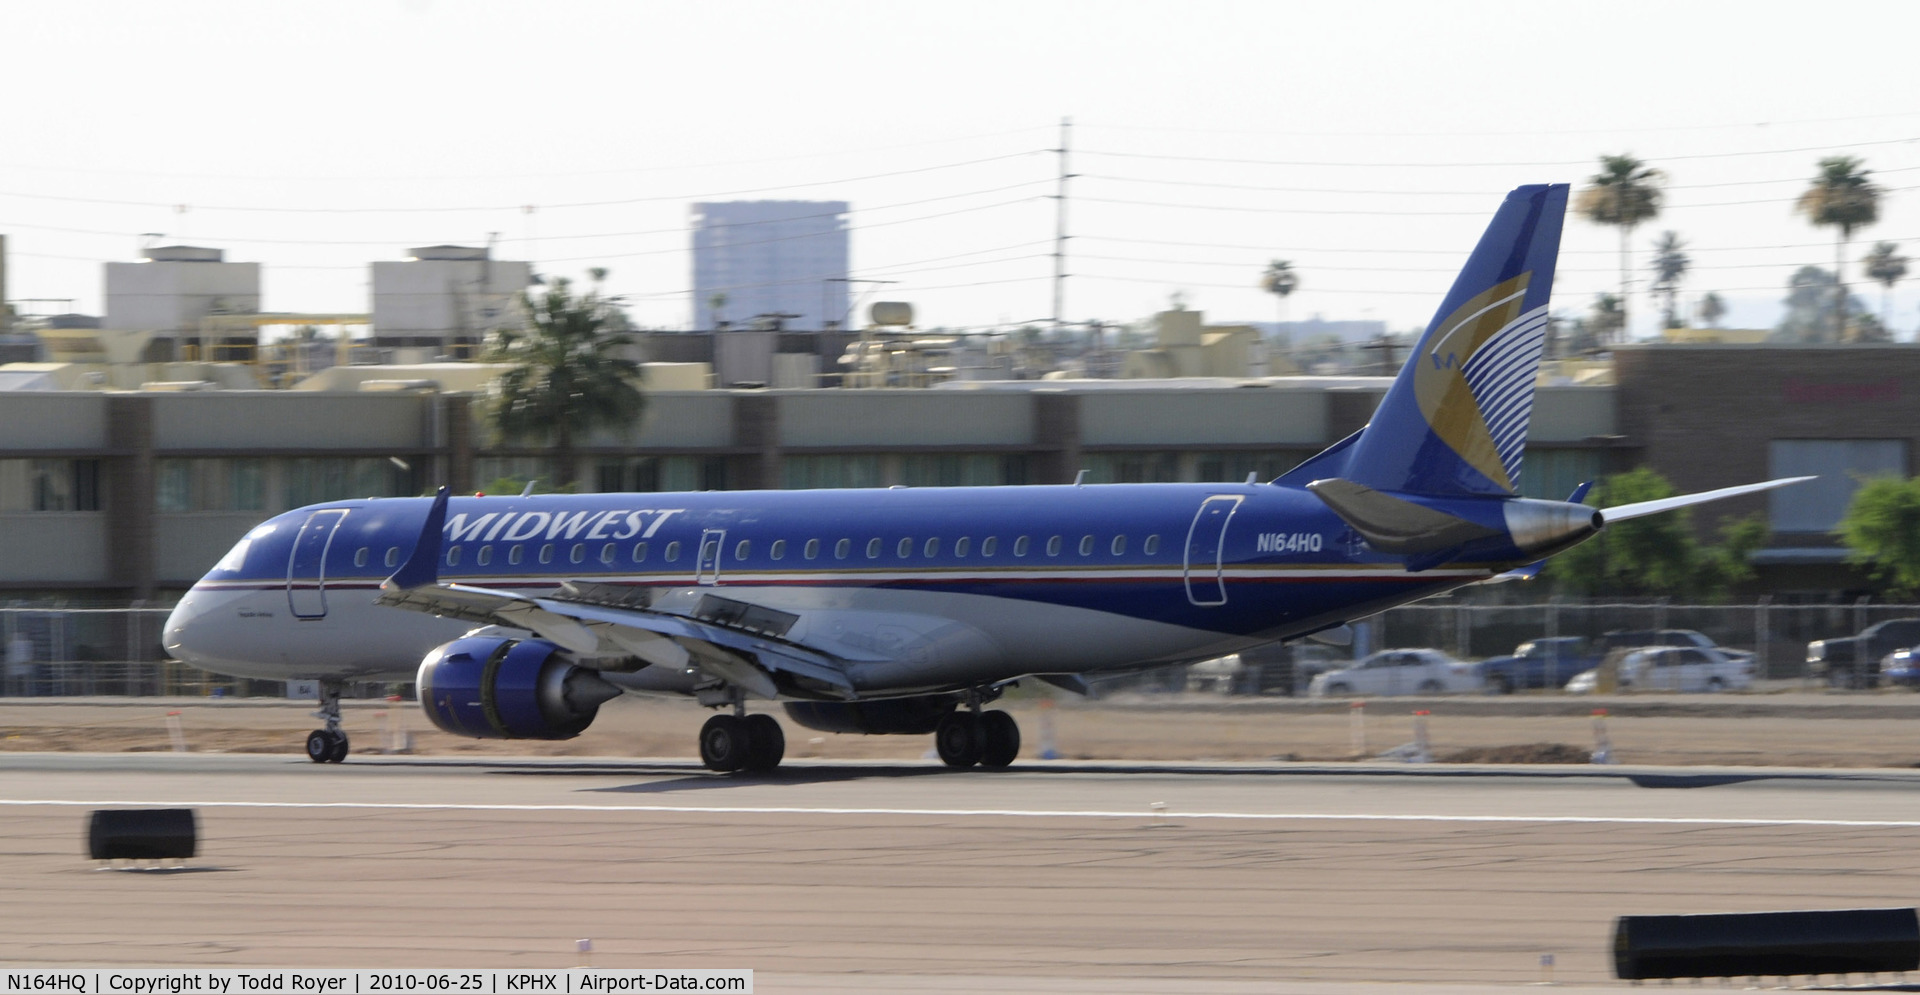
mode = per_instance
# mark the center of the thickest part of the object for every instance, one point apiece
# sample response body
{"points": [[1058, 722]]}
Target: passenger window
{"points": [[673, 551], [710, 549], [1086, 545], [1119, 545], [1053, 546], [360, 557], [393, 556], [873, 548], [578, 553], [606, 553], [778, 550], [639, 552], [905, 549], [485, 556], [989, 545], [742, 548], [546, 553], [1152, 545], [813, 548], [960, 546], [453, 556], [933, 547], [514, 555], [841, 548], [1020, 546]]}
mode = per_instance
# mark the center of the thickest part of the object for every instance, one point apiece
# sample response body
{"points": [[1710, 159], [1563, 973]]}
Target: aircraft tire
{"points": [[958, 739], [725, 743], [338, 752], [319, 746], [767, 744], [1000, 739]]}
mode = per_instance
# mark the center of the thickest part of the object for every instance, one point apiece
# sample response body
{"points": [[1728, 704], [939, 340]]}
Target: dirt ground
{"points": [[1799, 729]]}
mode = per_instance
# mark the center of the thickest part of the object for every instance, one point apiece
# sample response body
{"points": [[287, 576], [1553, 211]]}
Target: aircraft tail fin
{"points": [[1454, 422]]}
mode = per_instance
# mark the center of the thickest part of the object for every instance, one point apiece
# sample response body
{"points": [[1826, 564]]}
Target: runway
{"points": [[898, 877]]}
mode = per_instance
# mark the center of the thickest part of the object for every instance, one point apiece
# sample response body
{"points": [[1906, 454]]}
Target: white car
{"points": [[1685, 668], [1390, 672]]}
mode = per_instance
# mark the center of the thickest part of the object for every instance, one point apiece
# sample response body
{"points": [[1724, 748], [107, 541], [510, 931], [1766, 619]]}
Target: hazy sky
{"points": [[1365, 142]]}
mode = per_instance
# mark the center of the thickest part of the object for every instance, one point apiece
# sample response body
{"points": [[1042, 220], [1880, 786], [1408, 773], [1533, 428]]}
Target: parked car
{"points": [[1685, 668], [1901, 668], [1848, 661], [1625, 639], [1390, 672], [1538, 663]]}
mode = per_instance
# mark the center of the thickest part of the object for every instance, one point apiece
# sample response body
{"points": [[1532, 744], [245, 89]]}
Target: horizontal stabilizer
{"points": [[1639, 509], [1392, 525]]}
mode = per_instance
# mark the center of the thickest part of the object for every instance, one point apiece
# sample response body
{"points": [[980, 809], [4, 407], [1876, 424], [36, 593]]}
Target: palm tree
{"points": [[1280, 280], [1624, 193], [714, 304], [1669, 265], [567, 376], [1712, 309], [1842, 197], [1886, 265]]}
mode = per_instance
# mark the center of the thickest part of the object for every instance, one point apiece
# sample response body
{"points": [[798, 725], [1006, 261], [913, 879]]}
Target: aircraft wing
{"points": [[597, 620]]}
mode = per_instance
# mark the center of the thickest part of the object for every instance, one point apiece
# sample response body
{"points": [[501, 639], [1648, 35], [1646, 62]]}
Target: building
{"points": [[159, 308], [443, 301], [757, 259], [115, 496]]}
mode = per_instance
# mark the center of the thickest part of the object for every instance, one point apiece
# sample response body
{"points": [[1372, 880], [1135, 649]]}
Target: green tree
{"points": [[1605, 320], [715, 304], [1886, 266], [1655, 555], [1624, 193], [1280, 280], [567, 375], [1712, 309], [1842, 198], [1669, 265], [1804, 317], [1881, 531], [1730, 564]]}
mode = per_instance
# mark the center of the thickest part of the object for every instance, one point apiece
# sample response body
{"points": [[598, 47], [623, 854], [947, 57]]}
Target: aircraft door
{"points": [[707, 565], [1206, 550], [307, 567]]}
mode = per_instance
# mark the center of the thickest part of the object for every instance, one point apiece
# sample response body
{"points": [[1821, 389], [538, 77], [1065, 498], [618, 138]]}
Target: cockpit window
{"points": [[236, 557]]}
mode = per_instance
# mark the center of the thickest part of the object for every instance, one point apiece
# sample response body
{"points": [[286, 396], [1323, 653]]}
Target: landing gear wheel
{"points": [[325, 747], [958, 739], [725, 742], [766, 743], [1000, 736]]}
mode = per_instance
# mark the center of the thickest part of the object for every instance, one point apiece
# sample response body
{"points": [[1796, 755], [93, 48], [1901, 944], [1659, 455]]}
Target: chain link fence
{"points": [[116, 651]]}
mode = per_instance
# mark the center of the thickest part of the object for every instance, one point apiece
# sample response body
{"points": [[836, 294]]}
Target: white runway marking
{"points": [[978, 813]]}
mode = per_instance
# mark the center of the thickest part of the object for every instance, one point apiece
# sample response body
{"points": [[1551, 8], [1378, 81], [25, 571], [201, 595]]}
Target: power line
{"points": [[1559, 164], [1528, 133]]}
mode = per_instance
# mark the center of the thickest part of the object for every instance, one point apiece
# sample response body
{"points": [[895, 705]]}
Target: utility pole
{"points": [[1060, 230]]}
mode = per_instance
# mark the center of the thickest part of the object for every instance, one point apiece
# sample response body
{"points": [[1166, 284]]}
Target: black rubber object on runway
{"points": [[1766, 944], [142, 834]]}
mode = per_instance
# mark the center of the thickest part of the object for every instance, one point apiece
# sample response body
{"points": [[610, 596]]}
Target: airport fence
{"points": [[116, 651]]}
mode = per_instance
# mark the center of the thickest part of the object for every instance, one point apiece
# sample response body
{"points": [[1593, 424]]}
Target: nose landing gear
{"points": [[328, 745]]}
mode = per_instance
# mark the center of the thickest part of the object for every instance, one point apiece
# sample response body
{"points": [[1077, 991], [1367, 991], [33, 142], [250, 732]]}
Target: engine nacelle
{"points": [[490, 687], [886, 717]]}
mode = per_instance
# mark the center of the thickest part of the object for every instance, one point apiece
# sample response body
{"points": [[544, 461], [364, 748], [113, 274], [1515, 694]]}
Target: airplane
{"points": [[908, 610]]}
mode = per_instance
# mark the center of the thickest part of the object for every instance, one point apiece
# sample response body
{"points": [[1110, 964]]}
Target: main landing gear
{"points": [[738, 741], [329, 745], [965, 738]]}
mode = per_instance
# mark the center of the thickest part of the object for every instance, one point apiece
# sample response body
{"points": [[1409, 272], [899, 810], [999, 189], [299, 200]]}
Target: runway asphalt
{"points": [[877, 877]]}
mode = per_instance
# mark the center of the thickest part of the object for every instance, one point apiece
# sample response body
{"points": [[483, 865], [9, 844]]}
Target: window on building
{"points": [[961, 470], [815, 471], [1841, 464], [1132, 468], [1554, 474]]}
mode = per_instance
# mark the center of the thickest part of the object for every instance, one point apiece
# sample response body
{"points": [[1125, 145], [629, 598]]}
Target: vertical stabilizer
{"points": [[1454, 423]]}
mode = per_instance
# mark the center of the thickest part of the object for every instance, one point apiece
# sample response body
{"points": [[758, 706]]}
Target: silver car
{"points": [[1685, 668], [1389, 672]]}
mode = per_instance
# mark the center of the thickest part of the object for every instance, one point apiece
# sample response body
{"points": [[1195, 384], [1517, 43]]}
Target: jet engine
{"points": [[914, 716], [491, 687]]}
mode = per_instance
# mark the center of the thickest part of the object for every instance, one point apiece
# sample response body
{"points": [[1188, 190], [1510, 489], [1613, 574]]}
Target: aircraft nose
{"points": [[176, 637]]}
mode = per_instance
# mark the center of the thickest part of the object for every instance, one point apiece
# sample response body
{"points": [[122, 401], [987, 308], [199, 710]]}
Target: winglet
{"points": [[422, 569]]}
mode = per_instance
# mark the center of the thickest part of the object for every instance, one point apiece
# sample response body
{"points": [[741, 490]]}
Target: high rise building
{"points": [[770, 257]]}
